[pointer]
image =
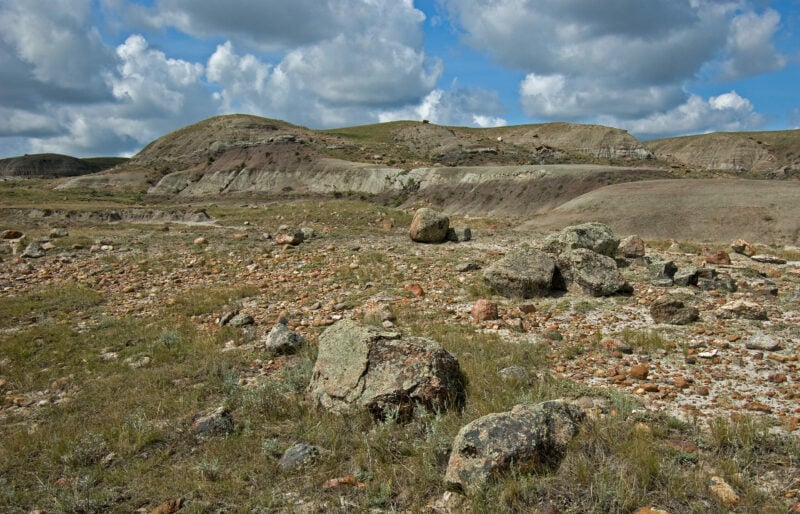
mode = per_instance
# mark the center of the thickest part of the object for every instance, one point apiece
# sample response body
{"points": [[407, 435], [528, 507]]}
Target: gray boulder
{"points": [[590, 272], [531, 437], [429, 226], [281, 340], [593, 236], [525, 273], [673, 311], [382, 372]]}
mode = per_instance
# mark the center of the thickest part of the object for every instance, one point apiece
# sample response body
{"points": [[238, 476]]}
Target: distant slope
{"points": [[766, 154], [761, 211], [54, 165]]}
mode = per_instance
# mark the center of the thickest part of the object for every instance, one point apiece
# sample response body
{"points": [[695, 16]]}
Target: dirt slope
{"points": [[768, 154], [700, 210]]}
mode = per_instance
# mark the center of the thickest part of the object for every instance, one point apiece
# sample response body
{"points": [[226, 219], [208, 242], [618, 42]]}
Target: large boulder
{"points": [[383, 372], [525, 273], [593, 236], [531, 437], [590, 272], [429, 226]]}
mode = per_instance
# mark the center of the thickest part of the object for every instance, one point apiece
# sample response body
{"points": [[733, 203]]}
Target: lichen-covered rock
{"points": [[429, 226], [298, 456], [662, 269], [590, 272], [214, 423], [383, 372], [673, 311], [33, 251], [593, 236], [531, 437], [282, 340], [525, 273]]}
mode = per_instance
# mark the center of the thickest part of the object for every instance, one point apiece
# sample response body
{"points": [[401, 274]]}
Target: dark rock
{"points": [[459, 235], [218, 422], [382, 372], [281, 340], [467, 266], [672, 311], [298, 456], [686, 276], [429, 226], [723, 284], [593, 236], [227, 317], [523, 274], [532, 438], [590, 272], [661, 269]]}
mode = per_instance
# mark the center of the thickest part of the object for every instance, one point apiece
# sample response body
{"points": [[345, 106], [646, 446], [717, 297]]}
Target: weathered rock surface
{"points": [[673, 311], [525, 273], [531, 437], [484, 310], [631, 247], [593, 236], [288, 236], [590, 272], [429, 226], [33, 251], [686, 276], [742, 309], [298, 456], [217, 422], [382, 372], [282, 340]]}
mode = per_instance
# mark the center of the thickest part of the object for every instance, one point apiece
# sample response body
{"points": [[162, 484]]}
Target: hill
{"points": [[765, 154], [52, 165]]}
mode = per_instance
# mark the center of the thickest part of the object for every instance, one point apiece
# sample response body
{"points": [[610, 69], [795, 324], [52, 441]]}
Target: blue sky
{"points": [[105, 77]]}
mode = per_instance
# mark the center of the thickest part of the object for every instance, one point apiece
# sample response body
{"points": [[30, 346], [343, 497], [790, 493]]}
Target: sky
{"points": [[105, 77]]}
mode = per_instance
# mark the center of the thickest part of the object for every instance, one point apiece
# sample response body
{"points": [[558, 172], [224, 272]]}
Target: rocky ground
{"points": [[740, 357]]}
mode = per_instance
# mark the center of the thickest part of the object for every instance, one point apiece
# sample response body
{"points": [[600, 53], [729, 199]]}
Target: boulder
{"points": [[33, 251], [282, 341], [686, 276], [531, 437], [383, 372], [742, 309], [590, 272], [632, 247], [592, 236], [429, 226], [673, 311], [484, 310], [525, 273], [661, 269]]}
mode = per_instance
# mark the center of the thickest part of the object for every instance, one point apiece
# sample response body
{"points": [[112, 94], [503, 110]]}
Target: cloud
{"points": [[726, 112], [457, 106], [621, 59]]}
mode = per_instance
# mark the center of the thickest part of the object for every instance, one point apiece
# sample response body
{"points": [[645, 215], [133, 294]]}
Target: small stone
{"points": [[484, 310], [299, 456], [742, 309], [763, 344], [721, 491], [702, 390], [768, 259], [721, 258], [639, 372], [345, 481], [57, 233], [777, 378], [743, 247], [286, 236], [241, 320], [281, 340], [467, 266], [414, 289], [33, 251], [514, 373], [673, 311], [217, 422], [200, 241], [170, 506], [685, 277]]}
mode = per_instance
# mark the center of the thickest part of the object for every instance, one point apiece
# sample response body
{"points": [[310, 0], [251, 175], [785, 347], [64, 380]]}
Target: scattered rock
{"points": [[287, 236], [414, 289], [639, 371], [721, 491], [33, 251], [524, 274], [308, 233], [241, 320], [742, 309], [467, 266], [673, 311], [724, 284], [687, 276], [484, 310], [299, 456], [721, 258], [531, 437], [215, 423], [593, 236], [58, 232], [382, 372], [200, 241], [763, 343], [662, 269], [227, 317], [590, 272], [768, 259], [282, 341], [742, 247], [429, 226], [459, 235], [515, 373], [631, 247]]}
